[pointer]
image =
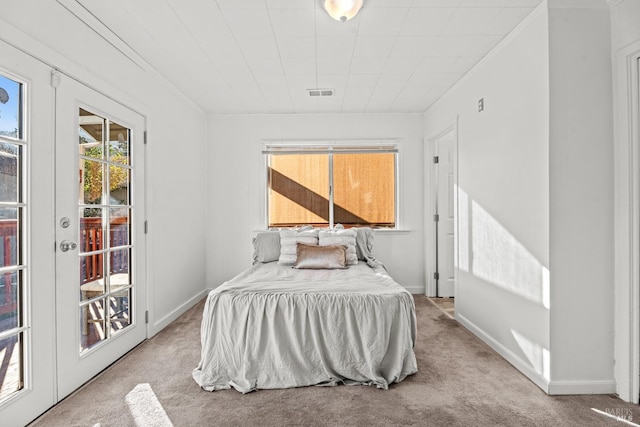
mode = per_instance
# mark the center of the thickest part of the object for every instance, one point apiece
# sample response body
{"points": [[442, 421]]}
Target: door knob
{"points": [[65, 245]]}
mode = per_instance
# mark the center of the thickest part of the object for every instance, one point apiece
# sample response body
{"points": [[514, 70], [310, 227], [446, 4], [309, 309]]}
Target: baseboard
{"points": [[179, 311], [507, 354], [582, 387], [415, 289]]}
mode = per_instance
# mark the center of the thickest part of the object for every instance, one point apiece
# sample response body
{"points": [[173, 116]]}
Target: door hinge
{"points": [[146, 227], [146, 316], [436, 217], [145, 137], [436, 276], [436, 159]]}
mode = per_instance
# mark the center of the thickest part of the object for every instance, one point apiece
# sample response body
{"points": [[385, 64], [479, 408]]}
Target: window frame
{"points": [[332, 147]]}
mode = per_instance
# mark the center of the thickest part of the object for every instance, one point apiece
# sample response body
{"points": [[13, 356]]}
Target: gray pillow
{"points": [[364, 243], [266, 246], [288, 241], [345, 237]]}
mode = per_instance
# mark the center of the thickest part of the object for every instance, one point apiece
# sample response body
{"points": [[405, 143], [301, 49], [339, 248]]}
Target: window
{"points": [[331, 184]]}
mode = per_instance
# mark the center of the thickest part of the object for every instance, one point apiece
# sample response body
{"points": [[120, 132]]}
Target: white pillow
{"points": [[344, 237], [288, 241]]}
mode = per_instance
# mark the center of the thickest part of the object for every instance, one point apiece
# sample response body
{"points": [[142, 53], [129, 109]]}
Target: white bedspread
{"points": [[277, 327]]}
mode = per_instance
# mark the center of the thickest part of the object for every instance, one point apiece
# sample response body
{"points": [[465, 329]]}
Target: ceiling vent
{"points": [[320, 92]]}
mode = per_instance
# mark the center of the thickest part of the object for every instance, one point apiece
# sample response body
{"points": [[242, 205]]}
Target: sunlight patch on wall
{"points": [[538, 356], [488, 251]]}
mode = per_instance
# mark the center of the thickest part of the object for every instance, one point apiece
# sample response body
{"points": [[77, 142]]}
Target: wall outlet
{"points": [[480, 105]]}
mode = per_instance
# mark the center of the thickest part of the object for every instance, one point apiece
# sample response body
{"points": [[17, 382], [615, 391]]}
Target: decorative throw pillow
{"points": [[320, 257], [288, 241], [266, 246], [344, 237]]}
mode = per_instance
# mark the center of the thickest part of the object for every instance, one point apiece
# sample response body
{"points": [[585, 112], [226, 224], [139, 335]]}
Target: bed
{"points": [[278, 326]]}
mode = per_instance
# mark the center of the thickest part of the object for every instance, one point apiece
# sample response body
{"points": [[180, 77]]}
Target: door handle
{"points": [[65, 245]]}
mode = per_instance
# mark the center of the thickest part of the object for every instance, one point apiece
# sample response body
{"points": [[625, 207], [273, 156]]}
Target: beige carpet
{"points": [[461, 382]]}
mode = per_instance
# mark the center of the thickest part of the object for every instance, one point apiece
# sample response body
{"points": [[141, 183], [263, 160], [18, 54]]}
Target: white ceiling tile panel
{"points": [[333, 81], [470, 21], [298, 67], [426, 21], [387, 3], [463, 45], [297, 47], [362, 80], [507, 20], [292, 22], [385, 93], [436, 3], [484, 3], [290, 4], [412, 45], [248, 22], [381, 21], [523, 3], [463, 64], [258, 47], [266, 67], [401, 65], [373, 46], [393, 80], [240, 4], [368, 65], [334, 66], [436, 64], [330, 47]]}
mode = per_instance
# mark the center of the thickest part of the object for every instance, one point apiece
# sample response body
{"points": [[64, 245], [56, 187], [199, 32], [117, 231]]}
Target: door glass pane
{"points": [[9, 236], [90, 134], [92, 182], [10, 108], [12, 278], [118, 143], [119, 185], [298, 190], [105, 228], [119, 310], [92, 324], [9, 172], [11, 363], [119, 225]]}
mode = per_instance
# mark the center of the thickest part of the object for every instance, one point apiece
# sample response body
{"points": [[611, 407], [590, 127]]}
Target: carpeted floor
{"points": [[461, 382]]}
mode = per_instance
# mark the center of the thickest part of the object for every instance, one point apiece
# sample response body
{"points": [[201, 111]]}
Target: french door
{"points": [[99, 229], [27, 334]]}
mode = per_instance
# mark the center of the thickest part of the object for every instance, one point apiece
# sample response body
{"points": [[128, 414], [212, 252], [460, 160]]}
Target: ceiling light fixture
{"points": [[342, 10]]}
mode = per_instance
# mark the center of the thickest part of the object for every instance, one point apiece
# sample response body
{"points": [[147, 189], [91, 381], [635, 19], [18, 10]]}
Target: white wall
{"points": [[503, 197], [625, 44], [236, 183], [177, 140], [581, 198]]}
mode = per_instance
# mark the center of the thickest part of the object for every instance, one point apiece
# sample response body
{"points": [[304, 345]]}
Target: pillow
{"points": [[288, 241], [345, 237], [266, 246], [364, 243], [320, 257]]}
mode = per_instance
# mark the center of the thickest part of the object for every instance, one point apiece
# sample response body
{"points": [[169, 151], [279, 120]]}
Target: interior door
{"points": [[27, 370], [100, 242], [445, 149]]}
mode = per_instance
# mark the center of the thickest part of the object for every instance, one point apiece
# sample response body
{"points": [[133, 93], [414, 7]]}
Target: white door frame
{"points": [[627, 222], [430, 206]]}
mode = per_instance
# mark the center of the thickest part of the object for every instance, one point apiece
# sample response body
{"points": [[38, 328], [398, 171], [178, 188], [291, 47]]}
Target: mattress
{"points": [[274, 326]]}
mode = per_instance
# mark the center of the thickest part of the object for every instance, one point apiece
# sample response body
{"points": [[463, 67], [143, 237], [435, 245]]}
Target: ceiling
{"points": [[261, 56]]}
